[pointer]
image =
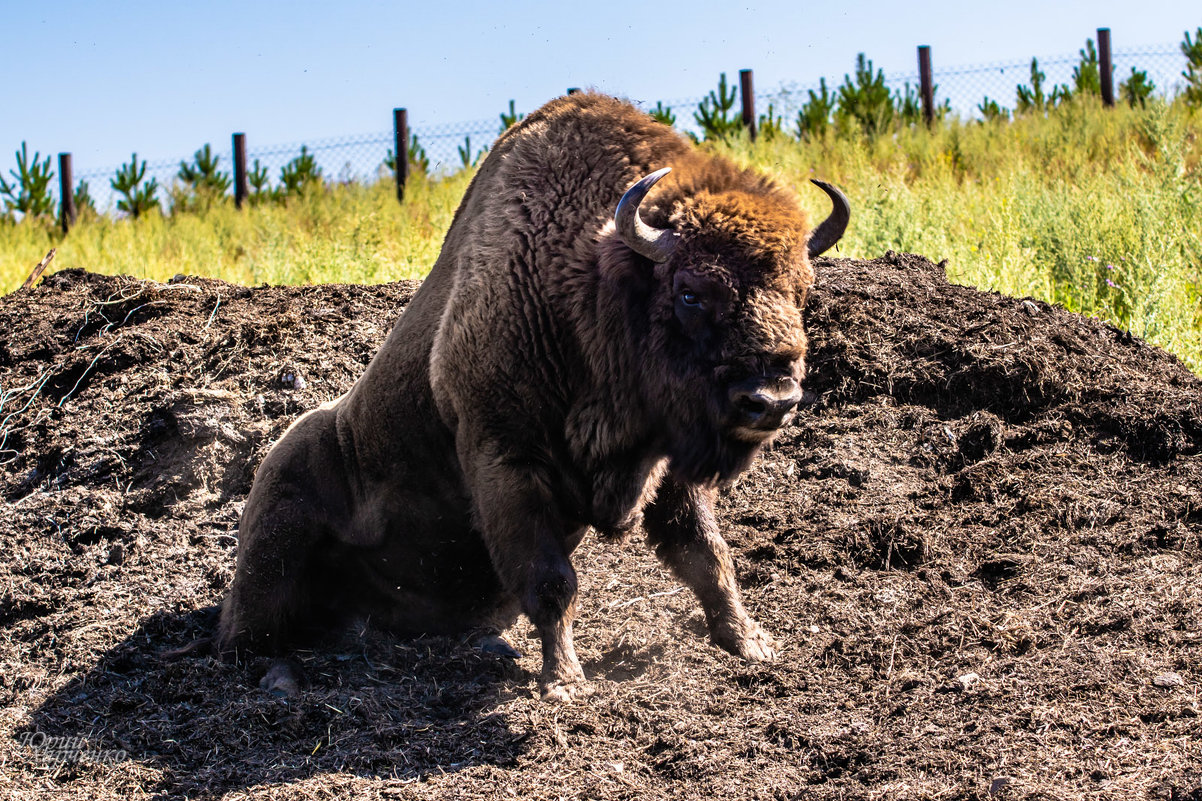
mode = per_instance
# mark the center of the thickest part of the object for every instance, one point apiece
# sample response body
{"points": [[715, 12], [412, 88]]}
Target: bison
{"points": [[612, 331]]}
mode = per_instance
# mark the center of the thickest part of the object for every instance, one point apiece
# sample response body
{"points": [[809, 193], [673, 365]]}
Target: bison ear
{"points": [[831, 230], [656, 244]]}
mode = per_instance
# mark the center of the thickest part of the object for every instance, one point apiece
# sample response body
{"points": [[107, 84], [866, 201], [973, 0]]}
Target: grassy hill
{"points": [[1096, 209]]}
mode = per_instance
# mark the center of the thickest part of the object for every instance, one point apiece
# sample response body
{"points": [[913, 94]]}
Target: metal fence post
{"points": [[65, 193], [925, 85], [400, 123], [241, 187], [573, 90], [1105, 66], [748, 94]]}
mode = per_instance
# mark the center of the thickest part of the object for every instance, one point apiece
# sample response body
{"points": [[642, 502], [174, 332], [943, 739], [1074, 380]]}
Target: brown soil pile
{"points": [[981, 548]]}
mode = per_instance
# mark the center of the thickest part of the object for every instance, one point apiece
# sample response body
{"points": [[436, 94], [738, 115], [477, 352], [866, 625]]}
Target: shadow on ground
{"points": [[376, 706]]}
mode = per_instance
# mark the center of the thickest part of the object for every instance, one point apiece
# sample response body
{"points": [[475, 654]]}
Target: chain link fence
{"points": [[363, 158], [359, 158], [965, 89]]}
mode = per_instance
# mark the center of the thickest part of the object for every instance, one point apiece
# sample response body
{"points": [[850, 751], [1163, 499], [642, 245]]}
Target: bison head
{"points": [[731, 273]]}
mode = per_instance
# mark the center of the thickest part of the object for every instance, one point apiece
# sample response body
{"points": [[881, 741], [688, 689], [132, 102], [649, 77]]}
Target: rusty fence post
{"points": [[747, 92], [400, 124], [1105, 67], [241, 187], [926, 87], [66, 194]]}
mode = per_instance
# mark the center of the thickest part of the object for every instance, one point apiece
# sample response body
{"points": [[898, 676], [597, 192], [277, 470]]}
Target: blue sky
{"points": [[101, 79]]}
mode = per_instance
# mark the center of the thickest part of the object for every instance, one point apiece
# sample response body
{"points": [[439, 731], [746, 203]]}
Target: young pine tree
{"points": [[713, 114], [30, 194], [137, 198], [866, 100], [1192, 50]]}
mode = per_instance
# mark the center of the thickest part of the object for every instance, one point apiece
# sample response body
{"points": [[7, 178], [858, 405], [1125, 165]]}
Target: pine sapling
{"points": [[1137, 89], [300, 174], [137, 198], [85, 204], [1087, 75], [30, 194], [713, 114], [866, 100], [815, 116], [203, 183], [991, 110], [1192, 50], [771, 125], [508, 120], [662, 113]]}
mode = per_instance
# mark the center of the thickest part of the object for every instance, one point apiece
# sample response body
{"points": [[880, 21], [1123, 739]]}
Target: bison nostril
{"points": [[766, 405], [751, 406]]}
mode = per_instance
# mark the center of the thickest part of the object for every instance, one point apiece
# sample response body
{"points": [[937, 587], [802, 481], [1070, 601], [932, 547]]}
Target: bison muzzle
{"points": [[612, 331]]}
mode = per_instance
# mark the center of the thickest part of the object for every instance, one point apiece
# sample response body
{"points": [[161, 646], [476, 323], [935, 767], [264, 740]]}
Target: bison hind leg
{"points": [[499, 646], [284, 679], [271, 603]]}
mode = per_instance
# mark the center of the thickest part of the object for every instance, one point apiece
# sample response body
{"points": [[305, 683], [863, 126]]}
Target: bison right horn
{"points": [[656, 244], [829, 232]]}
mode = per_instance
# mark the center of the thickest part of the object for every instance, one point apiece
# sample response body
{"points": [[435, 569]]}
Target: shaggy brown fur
{"points": [[544, 380]]}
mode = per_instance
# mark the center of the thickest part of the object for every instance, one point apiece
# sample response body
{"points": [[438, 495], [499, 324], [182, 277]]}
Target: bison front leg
{"points": [[681, 525], [549, 600], [529, 546]]}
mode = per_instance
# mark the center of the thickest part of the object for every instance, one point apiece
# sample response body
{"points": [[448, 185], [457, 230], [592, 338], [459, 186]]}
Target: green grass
{"points": [[1097, 209], [350, 234]]}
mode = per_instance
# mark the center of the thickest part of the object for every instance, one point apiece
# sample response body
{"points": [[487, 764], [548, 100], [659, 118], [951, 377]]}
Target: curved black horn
{"points": [[829, 232], [656, 244]]}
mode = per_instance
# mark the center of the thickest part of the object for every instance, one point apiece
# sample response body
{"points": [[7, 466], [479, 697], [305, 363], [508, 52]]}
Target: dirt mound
{"points": [[979, 546]]}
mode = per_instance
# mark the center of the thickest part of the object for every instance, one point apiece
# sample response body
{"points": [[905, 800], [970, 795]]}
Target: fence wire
{"points": [[362, 158], [966, 88], [358, 158]]}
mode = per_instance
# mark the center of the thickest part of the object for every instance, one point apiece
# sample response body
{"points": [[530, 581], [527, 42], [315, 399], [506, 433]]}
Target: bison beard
{"points": [[708, 456], [586, 352], [698, 445]]}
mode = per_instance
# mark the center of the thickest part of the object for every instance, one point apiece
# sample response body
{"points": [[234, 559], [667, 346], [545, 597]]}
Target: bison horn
{"points": [[656, 244], [829, 232]]}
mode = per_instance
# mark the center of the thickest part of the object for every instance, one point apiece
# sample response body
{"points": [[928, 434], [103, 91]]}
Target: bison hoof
{"points": [[496, 644], [566, 691], [748, 640], [284, 679]]}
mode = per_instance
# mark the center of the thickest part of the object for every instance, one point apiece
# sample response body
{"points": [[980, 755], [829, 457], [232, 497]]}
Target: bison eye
{"points": [[689, 298]]}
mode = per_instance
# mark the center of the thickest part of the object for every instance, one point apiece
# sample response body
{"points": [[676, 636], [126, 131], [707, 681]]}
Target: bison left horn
{"points": [[656, 244], [829, 232]]}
